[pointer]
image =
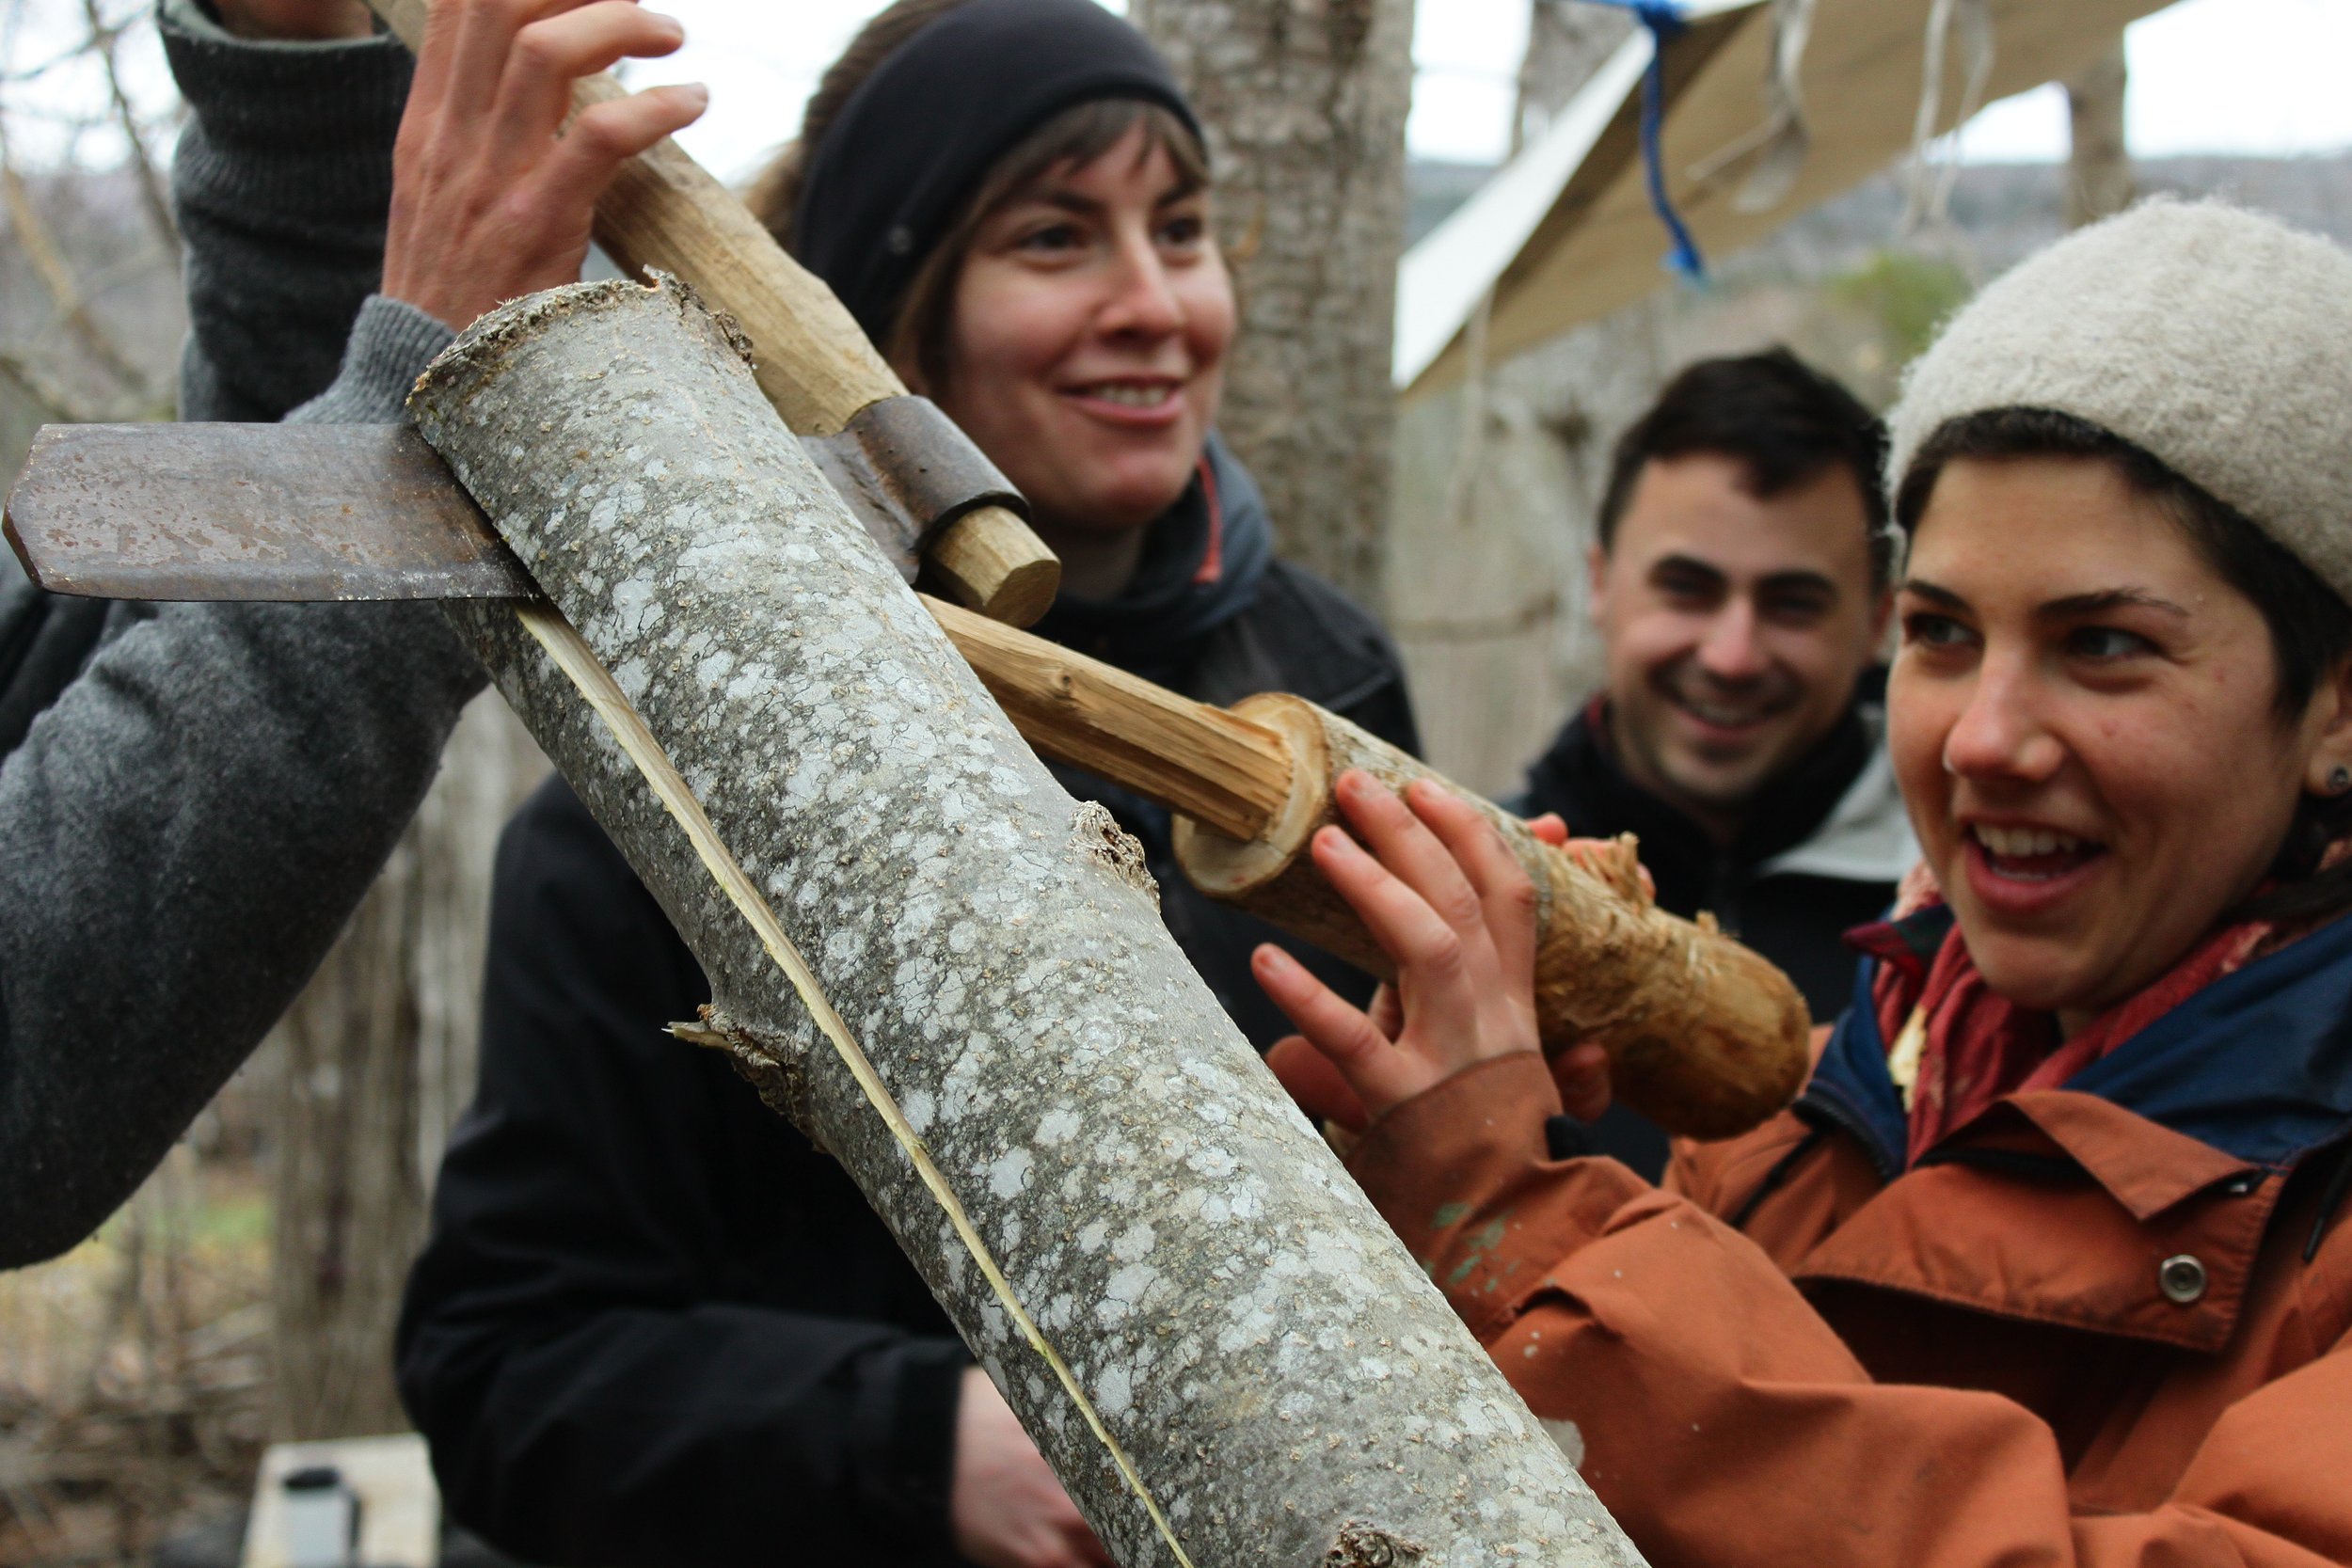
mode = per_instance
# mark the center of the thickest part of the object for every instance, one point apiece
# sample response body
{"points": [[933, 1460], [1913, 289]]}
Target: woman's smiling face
{"points": [[1087, 338], [2082, 717]]}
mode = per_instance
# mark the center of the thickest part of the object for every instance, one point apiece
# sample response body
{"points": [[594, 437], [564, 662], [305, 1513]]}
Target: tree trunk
{"points": [[955, 978], [372, 1063], [1304, 102], [1500, 481], [2099, 168], [1566, 42]]}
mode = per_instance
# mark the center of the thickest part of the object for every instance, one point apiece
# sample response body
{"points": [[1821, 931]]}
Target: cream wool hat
{"points": [[2218, 340]]}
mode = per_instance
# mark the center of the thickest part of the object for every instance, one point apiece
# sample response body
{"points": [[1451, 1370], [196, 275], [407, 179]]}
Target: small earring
{"points": [[2339, 781]]}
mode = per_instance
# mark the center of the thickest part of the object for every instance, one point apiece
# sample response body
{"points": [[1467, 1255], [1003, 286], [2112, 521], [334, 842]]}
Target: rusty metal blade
{"points": [[253, 512]]}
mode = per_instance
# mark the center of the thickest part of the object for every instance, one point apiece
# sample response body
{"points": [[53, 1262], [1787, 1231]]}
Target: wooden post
{"points": [[1704, 1037], [665, 211], [956, 978]]}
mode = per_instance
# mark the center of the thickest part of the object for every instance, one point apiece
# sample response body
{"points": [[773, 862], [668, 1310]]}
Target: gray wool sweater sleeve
{"points": [[207, 791]]}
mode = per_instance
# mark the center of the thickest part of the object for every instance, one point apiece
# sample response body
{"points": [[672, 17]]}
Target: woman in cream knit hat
{"points": [[2050, 1263]]}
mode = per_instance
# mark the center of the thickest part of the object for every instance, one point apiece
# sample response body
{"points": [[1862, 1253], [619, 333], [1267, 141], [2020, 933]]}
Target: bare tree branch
{"points": [[103, 38], [39, 245]]}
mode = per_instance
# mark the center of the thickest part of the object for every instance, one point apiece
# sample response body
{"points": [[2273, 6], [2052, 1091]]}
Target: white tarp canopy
{"points": [[1565, 234]]}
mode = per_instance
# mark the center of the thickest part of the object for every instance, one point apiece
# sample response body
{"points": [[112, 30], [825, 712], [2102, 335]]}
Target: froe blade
{"points": [[253, 512]]}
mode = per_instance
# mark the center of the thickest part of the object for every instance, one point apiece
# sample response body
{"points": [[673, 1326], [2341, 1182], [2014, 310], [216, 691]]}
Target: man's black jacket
{"points": [[1780, 886], [654, 1325]]}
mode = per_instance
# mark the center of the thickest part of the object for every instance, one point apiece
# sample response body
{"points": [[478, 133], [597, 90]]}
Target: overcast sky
{"points": [[2254, 76], [2264, 76]]}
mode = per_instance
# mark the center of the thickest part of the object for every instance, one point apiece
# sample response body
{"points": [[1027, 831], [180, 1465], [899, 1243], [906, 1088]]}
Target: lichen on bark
{"points": [[1213, 1336]]}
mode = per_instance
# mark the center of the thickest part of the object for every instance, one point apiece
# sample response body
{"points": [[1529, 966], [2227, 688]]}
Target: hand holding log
{"points": [[1702, 1036], [663, 209]]}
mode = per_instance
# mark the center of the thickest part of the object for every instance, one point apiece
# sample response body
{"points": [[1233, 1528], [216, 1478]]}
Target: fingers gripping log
{"points": [[1704, 1037], [665, 211], [956, 978]]}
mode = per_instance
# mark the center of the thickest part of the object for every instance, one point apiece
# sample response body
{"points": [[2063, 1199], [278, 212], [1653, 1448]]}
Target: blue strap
{"points": [[1663, 18]]}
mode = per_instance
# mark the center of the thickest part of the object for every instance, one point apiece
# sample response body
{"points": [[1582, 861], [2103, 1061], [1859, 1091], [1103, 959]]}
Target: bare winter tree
{"points": [[89, 313], [1566, 42], [1304, 101], [2099, 165], [1498, 481], [371, 1066]]}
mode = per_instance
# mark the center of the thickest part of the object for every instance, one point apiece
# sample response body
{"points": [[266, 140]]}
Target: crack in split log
{"points": [[580, 664]]}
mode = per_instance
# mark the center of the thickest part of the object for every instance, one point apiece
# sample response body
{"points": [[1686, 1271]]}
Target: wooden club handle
{"points": [[664, 210]]}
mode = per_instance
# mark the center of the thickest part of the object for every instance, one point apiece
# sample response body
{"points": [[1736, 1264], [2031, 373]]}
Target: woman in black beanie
{"points": [[653, 1326]]}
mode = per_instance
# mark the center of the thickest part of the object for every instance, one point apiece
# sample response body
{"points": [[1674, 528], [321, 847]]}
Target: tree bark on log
{"points": [[1216, 1342], [1304, 102]]}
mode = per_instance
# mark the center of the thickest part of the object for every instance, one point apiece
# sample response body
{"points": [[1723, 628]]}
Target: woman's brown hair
{"points": [[1076, 137]]}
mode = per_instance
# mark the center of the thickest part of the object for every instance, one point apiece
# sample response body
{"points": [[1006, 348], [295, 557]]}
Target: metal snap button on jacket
{"points": [[2182, 1278]]}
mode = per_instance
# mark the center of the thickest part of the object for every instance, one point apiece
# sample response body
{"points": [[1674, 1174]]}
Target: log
{"points": [[955, 978], [665, 211], [1703, 1035]]}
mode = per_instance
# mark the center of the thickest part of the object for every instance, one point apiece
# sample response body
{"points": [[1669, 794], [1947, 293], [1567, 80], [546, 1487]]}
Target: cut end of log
{"points": [[476, 353], [1232, 868], [991, 561]]}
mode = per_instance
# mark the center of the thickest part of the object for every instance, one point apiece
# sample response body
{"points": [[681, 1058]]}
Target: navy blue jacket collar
{"points": [[2258, 1063]]}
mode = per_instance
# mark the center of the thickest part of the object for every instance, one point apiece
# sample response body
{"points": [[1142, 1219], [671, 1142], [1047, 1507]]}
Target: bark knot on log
{"points": [[1361, 1546], [1098, 833], [773, 1067]]}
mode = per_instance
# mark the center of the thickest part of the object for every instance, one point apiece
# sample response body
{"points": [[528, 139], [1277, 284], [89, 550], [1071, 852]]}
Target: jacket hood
{"points": [[2257, 1065], [1866, 836], [1203, 559]]}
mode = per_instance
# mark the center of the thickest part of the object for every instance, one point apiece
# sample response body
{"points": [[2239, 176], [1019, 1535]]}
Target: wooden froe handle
{"points": [[1704, 1037], [664, 210]]}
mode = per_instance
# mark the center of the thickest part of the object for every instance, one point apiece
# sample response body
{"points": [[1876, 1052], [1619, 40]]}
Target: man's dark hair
{"points": [[1786, 421]]}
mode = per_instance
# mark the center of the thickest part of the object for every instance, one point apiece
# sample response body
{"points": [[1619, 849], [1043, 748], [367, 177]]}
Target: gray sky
{"points": [[2254, 76], [2263, 76]]}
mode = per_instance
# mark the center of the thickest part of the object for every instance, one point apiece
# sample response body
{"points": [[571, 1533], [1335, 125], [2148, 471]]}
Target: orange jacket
{"points": [[2070, 1334]]}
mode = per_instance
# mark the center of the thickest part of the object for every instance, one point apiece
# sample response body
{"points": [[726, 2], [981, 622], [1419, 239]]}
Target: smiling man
{"points": [[1739, 585]]}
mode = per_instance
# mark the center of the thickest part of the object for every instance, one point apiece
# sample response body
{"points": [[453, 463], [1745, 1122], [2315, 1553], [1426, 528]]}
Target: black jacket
{"points": [[1823, 849], [653, 1326]]}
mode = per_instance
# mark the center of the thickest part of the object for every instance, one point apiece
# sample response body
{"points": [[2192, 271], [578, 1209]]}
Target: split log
{"points": [[955, 978], [1703, 1035], [665, 211]]}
